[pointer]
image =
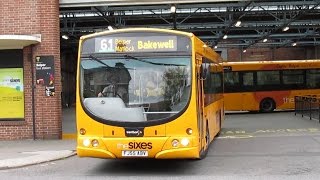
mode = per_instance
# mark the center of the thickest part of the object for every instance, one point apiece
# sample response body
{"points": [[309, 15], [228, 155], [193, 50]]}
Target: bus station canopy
{"points": [[18, 41], [81, 3]]}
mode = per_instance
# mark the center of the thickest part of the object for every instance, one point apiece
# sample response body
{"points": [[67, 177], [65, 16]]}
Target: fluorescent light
{"points": [[65, 37], [294, 44], [225, 36], [110, 28], [285, 28], [238, 23], [173, 9], [265, 40]]}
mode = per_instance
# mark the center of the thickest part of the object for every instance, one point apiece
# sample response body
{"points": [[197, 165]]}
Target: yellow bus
{"points": [[147, 93], [268, 85]]}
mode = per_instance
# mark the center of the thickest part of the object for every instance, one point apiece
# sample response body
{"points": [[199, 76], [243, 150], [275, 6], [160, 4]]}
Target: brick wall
{"points": [[267, 54], [27, 18], [294, 53]]}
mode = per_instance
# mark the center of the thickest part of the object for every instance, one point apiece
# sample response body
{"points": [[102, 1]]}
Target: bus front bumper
{"points": [[96, 153], [179, 153], [158, 148]]}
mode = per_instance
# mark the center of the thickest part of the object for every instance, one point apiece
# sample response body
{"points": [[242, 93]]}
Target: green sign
{"points": [[11, 93]]}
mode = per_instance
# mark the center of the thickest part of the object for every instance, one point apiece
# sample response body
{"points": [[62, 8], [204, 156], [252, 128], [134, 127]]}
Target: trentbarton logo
{"points": [[134, 132]]}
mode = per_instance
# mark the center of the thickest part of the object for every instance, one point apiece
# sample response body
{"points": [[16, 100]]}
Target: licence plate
{"points": [[135, 153]]}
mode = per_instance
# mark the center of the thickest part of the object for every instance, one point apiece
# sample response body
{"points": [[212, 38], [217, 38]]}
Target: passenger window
{"points": [[268, 77], [248, 79], [313, 78], [231, 78], [292, 77]]}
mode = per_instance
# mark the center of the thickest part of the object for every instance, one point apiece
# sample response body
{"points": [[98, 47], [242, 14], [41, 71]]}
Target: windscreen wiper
{"points": [[98, 60], [106, 65], [142, 60]]}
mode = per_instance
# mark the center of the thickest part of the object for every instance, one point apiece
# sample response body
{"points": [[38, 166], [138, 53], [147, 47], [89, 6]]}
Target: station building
{"points": [[30, 72]]}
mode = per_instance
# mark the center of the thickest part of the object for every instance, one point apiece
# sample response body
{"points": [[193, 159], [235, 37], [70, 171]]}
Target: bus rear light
{"points": [[86, 142], [175, 143], [95, 143], [82, 131], [185, 141], [189, 131]]}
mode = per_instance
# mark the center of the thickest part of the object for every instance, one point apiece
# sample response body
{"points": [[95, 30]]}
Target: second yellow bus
{"points": [[268, 85]]}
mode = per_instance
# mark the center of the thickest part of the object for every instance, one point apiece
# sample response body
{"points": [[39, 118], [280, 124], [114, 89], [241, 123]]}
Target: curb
{"points": [[36, 157]]}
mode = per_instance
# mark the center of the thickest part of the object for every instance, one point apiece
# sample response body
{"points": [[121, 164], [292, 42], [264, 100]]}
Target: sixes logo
{"points": [[140, 145], [135, 145]]}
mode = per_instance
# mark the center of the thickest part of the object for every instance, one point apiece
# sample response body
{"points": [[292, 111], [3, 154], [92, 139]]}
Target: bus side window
{"points": [[248, 79], [206, 76], [313, 78], [268, 77], [232, 82], [231, 78], [216, 79]]}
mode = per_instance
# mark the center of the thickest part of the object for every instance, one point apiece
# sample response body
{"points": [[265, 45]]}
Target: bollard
{"points": [[295, 105], [310, 107], [319, 110], [302, 105]]}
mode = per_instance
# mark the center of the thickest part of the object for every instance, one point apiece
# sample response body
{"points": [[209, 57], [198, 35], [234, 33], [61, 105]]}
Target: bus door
{"points": [[200, 99]]}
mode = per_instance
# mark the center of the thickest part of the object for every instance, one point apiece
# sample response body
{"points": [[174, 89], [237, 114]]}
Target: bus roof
{"points": [[137, 29], [273, 65]]}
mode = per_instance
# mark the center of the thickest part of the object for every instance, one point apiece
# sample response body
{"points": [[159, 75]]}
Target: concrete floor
{"points": [[68, 123]]}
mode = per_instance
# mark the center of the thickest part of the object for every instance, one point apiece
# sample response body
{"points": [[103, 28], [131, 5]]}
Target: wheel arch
{"points": [[267, 104]]}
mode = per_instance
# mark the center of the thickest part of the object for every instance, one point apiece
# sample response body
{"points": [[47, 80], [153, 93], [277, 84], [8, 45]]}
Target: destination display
{"points": [[135, 44]]}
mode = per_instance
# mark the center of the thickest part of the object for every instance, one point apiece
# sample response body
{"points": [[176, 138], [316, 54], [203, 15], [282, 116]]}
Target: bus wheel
{"points": [[204, 153], [207, 138], [267, 105]]}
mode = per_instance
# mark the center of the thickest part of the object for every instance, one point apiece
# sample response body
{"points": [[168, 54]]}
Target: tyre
{"points": [[204, 153], [267, 105], [218, 134]]}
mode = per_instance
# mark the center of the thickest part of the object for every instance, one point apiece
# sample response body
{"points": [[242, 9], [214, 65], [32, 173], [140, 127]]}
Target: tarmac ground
{"points": [[19, 153]]}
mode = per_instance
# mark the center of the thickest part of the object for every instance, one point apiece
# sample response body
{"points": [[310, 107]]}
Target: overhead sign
{"points": [[45, 70], [136, 44]]}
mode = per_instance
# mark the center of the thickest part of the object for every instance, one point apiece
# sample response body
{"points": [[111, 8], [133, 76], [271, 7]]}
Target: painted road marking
{"points": [[311, 130], [235, 137], [69, 136], [225, 134]]}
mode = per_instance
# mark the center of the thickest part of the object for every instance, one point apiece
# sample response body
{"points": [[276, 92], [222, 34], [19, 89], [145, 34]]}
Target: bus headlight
{"points": [[185, 142], [86, 142], [175, 143], [95, 143]]}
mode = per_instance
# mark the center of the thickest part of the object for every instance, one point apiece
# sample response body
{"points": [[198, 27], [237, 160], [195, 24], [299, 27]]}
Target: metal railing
{"points": [[308, 105]]}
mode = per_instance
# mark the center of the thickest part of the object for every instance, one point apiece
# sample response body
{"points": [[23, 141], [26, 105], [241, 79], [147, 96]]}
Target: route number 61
{"points": [[106, 45]]}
